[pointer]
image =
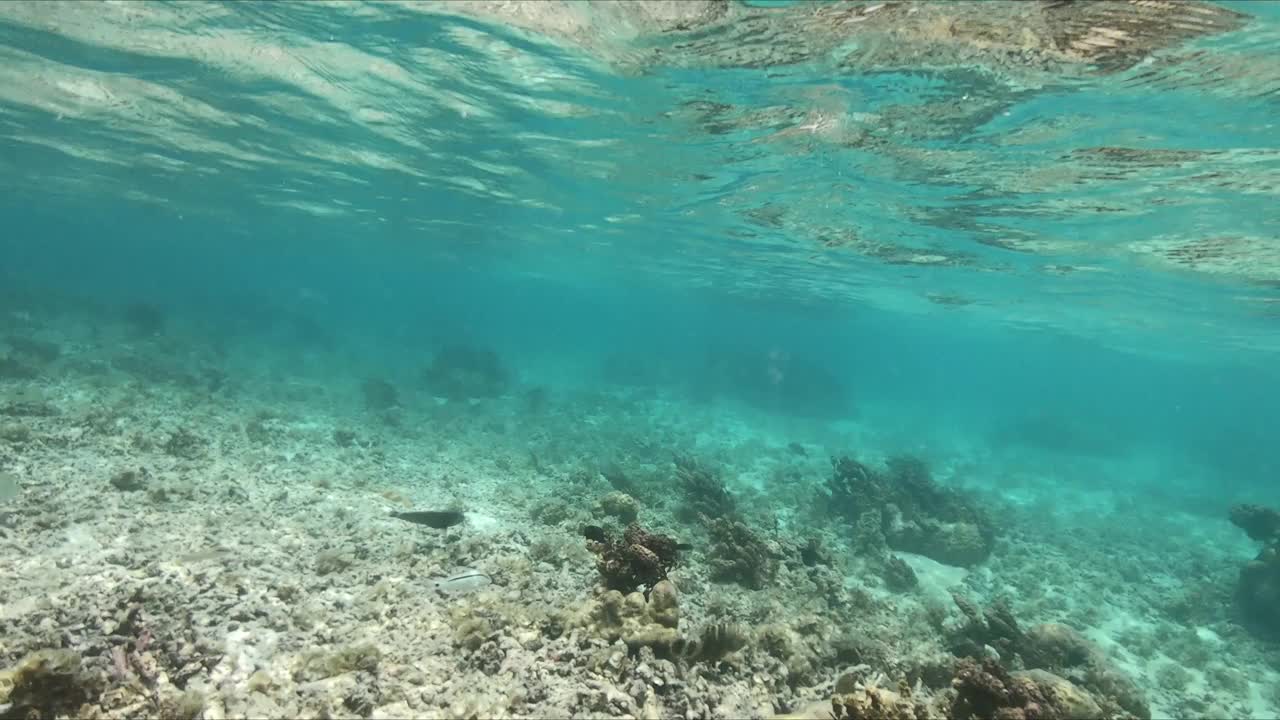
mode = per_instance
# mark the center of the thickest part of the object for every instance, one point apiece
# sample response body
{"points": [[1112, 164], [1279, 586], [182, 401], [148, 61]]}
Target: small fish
{"points": [[684, 546], [461, 582], [438, 519]]}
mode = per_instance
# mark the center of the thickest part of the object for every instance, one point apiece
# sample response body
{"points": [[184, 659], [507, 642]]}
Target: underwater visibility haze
{"points": [[702, 359]]}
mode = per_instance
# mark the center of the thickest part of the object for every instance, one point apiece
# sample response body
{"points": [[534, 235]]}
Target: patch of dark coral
{"points": [[916, 514], [739, 555], [704, 491], [41, 352], [463, 372], [11, 369], [986, 690], [898, 575], [50, 683], [1260, 523], [1055, 649], [813, 553], [1257, 595], [537, 400], [993, 627], [145, 319], [379, 395], [640, 559]]}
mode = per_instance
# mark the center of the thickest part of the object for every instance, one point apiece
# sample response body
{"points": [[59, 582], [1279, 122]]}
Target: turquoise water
{"points": [[951, 243], [530, 197]]}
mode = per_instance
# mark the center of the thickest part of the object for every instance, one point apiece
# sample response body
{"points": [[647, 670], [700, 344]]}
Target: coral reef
{"points": [[1260, 523], [916, 514], [1054, 645], [248, 565], [898, 575], [739, 555], [994, 627], [463, 372], [987, 690], [814, 554], [1053, 648], [1257, 593], [620, 505], [704, 490], [634, 620], [872, 702], [639, 559], [653, 623], [379, 395]]}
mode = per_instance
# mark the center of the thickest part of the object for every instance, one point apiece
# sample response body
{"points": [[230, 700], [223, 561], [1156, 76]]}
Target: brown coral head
{"points": [[1260, 523], [645, 558], [664, 547]]}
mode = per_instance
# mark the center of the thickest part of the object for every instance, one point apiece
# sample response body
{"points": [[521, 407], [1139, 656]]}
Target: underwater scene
{"points": [[879, 360]]}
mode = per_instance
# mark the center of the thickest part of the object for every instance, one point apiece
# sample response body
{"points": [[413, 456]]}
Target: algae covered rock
{"points": [[47, 684], [1070, 700], [1257, 593], [916, 514], [1054, 645]]}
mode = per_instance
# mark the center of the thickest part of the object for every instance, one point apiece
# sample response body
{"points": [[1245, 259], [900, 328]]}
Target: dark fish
{"points": [[438, 519], [684, 546]]}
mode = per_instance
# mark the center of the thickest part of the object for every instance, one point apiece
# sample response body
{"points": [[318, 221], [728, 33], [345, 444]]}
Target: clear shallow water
{"points": [[962, 227], [1032, 244]]}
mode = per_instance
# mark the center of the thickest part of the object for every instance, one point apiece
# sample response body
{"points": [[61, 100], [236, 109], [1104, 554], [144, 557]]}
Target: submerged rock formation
{"points": [[1258, 589], [915, 514]]}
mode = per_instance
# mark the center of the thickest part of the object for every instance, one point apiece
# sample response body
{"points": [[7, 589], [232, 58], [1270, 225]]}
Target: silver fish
{"points": [[462, 582]]}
